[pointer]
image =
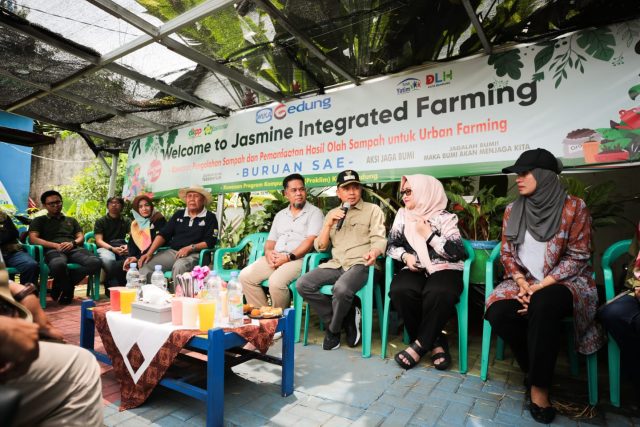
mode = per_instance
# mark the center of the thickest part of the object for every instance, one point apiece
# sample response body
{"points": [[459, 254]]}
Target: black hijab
{"points": [[541, 212]]}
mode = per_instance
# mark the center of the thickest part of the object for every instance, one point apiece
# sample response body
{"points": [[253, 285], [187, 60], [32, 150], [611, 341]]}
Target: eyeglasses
{"points": [[298, 190], [56, 203], [406, 192]]}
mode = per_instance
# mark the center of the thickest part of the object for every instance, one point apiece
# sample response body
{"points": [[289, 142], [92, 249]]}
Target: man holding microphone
{"points": [[355, 233]]}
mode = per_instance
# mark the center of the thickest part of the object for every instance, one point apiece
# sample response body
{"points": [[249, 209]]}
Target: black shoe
{"points": [[542, 415], [55, 294], [331, 340], [352, 327]]}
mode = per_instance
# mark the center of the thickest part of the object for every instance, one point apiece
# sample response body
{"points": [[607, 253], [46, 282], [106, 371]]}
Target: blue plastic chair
{"points": [[612, 253], [366, 294], [462, 308], [592, 359]]}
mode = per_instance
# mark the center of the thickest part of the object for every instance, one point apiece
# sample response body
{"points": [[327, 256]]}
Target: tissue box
{"points": [[155, 313]]}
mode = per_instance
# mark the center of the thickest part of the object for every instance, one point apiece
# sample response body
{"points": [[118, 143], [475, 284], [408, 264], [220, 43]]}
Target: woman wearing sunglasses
{"points": [[426, 240]]}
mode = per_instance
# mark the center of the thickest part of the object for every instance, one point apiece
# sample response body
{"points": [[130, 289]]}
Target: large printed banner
{"points": [[576, 96]]}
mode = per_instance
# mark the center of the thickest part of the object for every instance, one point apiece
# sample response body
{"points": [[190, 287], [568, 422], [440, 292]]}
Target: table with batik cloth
{"points": [[141, 352]]}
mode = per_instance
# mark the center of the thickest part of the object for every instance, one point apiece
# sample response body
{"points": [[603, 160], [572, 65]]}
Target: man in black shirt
{"points": [[187, 232], [110, 232], [62, 239]]}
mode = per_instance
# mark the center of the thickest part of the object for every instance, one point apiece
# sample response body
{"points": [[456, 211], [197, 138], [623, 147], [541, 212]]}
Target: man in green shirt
{"points": [[110, 232], [356, 234], [62, 239]]}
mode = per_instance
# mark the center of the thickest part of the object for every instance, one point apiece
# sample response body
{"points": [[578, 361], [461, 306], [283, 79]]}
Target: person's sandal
{"points": [[410, 361], [542, 415], [442, 366]]}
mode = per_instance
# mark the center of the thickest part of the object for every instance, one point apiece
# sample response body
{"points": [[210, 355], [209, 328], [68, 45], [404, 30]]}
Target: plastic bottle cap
{"points": [[158, 267], [133, 265]]}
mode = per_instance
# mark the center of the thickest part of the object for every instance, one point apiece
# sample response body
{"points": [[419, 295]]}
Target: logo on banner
{"points": [[408, 85], [155, 170], [281, 111], [439, 79], [265, 115]]}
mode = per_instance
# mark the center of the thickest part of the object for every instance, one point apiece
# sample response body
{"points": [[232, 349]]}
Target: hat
{"points": [[347, 177], [532, 159], [195, 189]]}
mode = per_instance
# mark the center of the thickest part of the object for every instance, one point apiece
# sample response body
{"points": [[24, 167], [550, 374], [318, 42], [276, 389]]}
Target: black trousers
{"points": [[426, 303], [64, 279], [534, 337]]}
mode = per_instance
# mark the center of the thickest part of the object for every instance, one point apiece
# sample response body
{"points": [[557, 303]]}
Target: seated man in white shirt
{"points": [[291, 237]]}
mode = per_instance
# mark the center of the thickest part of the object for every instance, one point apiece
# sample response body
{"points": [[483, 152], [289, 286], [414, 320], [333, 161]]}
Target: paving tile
{"points": [[345, 411], [380, 408], [135, 422], [510, 406], [244, 419], [337, 421], [449, 384], [118, 417], [484, 410], [617, 419], [399, 403], [369, 420], [456, 413], [452, 397], [479, 394], [168, 421], [397, 418], [310, 413], [428, 414]]}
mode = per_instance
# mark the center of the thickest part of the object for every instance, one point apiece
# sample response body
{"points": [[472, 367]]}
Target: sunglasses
{"points": [[406, 192]]}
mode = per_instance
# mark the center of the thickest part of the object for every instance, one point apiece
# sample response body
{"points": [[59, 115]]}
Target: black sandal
{"points": [[410, 361], [442, 366]]}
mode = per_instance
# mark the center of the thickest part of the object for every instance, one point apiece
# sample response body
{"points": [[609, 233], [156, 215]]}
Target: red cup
{"points": [[114, 293]]}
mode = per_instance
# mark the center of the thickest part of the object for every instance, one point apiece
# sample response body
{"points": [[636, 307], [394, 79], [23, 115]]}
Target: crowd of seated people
{"points": [[545, 250]]}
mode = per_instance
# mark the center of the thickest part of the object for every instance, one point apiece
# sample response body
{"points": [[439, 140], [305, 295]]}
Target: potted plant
{"points": [[480, 222]]}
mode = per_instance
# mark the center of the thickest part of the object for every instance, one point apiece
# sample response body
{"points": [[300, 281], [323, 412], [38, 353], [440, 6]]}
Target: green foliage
{"points": [[481, 218], [598, 43], [598, 198], [507, 63], [86, 198]]}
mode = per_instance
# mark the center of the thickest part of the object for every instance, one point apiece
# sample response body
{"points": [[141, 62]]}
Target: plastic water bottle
{"points": [[157, 278], [133, 278], [212, 286], [234, 290]]}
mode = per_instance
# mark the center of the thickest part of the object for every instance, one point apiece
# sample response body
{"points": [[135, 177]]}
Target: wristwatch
{"points": [[292, 256]]}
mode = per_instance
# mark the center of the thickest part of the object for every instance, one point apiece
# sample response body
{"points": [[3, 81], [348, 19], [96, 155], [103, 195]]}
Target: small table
{"points": [[213, 344]]}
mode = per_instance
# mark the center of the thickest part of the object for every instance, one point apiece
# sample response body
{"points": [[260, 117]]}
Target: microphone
{"points": [[345, 207]]}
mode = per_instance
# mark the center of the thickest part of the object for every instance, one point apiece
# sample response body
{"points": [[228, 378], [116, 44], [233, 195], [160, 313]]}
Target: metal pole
{"points": [[220, 211], [114, 175]]}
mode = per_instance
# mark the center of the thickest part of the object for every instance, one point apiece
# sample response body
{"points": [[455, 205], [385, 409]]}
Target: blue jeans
{"points": [[621, 318], [26, 266]]}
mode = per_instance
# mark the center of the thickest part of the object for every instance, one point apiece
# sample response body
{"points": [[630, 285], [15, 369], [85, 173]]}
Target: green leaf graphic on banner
{"points": [[507, 63], [148, 144], [135, 148], [544, 56], [598, 43], [538, 77], [634, 92]]}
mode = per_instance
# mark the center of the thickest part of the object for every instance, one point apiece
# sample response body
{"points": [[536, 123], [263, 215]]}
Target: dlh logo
{"points": [[439, 79]]}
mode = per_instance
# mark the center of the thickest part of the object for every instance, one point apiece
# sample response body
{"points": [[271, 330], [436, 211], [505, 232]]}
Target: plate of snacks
{"points": [[265, 313], [246, 308]]}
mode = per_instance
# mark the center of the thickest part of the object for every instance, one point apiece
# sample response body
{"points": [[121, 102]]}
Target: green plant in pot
{"points": [[480, 222]]}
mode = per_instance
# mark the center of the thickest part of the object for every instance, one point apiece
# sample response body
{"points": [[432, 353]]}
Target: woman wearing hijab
{"points": [[546, 247], [621, 317], [147, 222], [425, 238]]}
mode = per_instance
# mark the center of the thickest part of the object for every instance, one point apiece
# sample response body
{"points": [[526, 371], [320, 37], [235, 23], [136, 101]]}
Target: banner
{"points": [[576, 96]]}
